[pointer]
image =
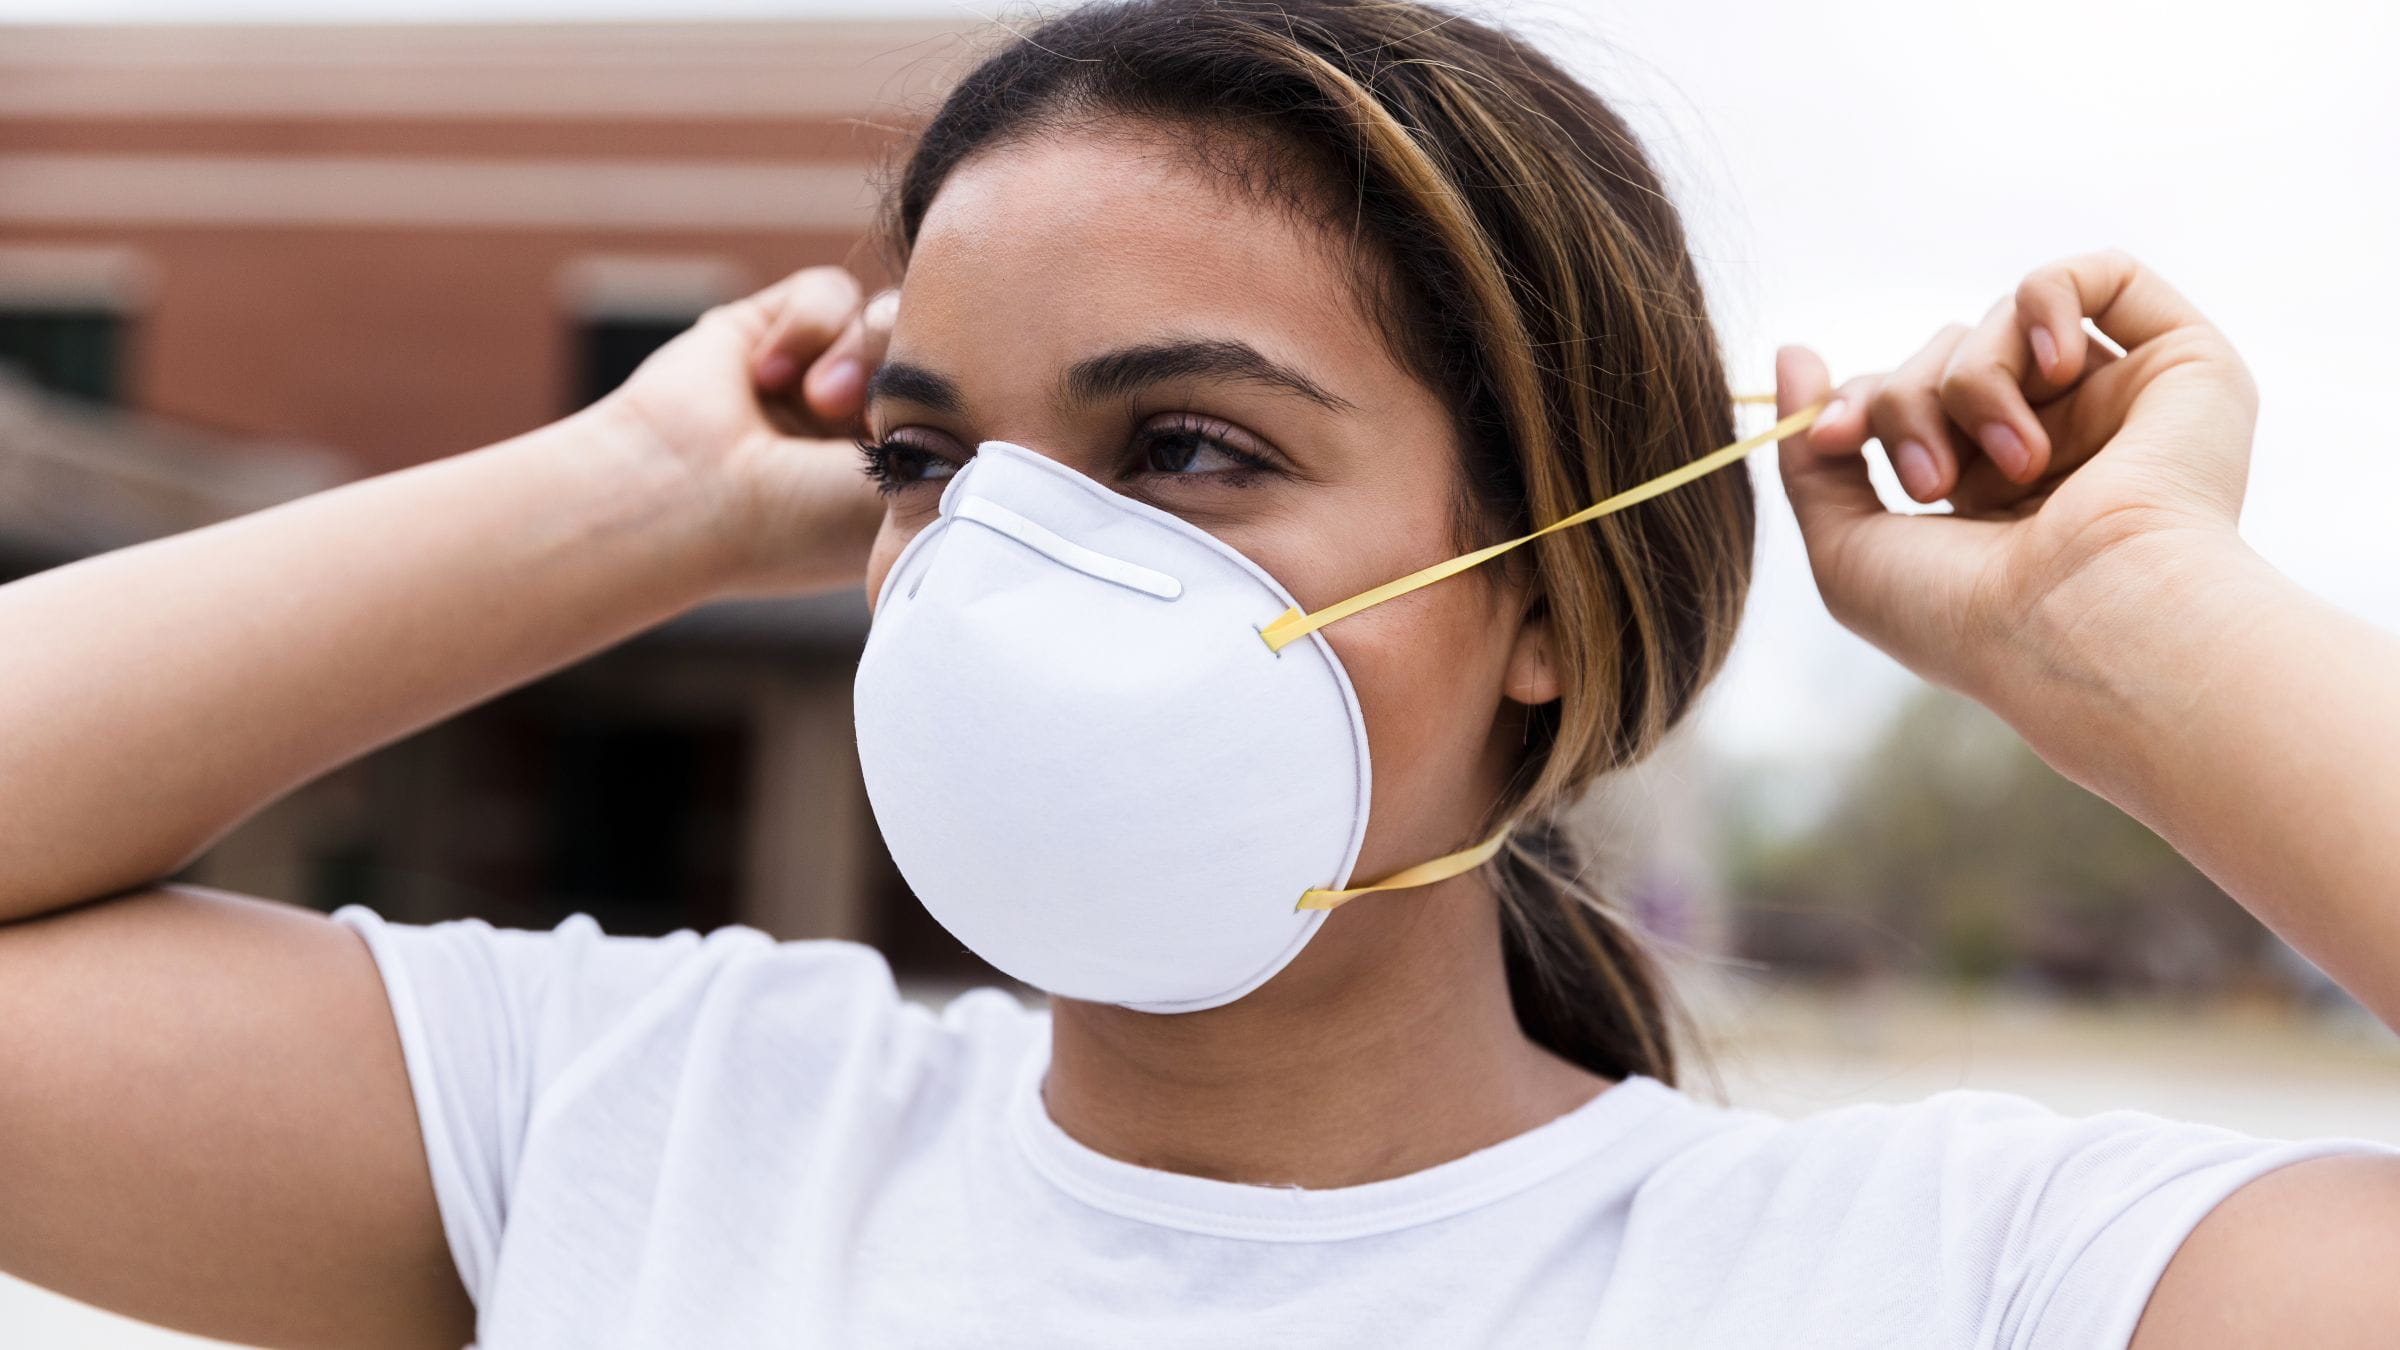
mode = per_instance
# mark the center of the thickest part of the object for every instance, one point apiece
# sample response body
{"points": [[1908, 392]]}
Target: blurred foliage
{"points": [[1951, 849]]}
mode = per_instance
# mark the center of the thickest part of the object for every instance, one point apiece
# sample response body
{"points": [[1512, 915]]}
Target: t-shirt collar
{"points": [[1296, 1214]]}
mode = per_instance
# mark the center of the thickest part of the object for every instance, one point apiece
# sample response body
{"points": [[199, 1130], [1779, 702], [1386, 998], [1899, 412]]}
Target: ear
{"points": [[1532, 675]]}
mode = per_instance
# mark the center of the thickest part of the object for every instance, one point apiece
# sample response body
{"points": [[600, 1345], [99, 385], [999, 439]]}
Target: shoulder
{"points": [[1986, 1215], [2299, 1256], [563, 1076]]}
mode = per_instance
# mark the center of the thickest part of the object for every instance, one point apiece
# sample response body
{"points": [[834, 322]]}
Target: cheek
{"points": [[1428, 677], [1427, 665]]}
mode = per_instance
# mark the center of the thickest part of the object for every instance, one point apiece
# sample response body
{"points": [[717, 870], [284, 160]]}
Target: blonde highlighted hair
{"points": [[1524, 262]]}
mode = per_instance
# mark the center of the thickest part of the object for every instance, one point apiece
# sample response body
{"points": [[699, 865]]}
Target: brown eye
{"points": [[896, 465], [1192, 448]]}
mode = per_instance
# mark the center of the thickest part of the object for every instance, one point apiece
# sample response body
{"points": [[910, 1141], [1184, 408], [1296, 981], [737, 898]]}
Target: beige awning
{"points": [[77, 480]]}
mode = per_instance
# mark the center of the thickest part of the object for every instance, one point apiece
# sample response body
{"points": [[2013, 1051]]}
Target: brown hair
{"points": [[1531, 271]]}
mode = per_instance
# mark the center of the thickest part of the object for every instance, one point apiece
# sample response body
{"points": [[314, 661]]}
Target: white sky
{"points": [[1858, 174], [1861, 173]]}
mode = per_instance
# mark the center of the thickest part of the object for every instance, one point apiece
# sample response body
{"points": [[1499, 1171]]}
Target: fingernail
{"points": [[2000, 441], [837, 383], [1831, 412], [1918, 473], [2045, 348], [775, 368]]}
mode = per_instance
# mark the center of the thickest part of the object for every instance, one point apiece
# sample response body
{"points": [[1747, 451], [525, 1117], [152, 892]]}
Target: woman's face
{"points": [[1099, 300]]}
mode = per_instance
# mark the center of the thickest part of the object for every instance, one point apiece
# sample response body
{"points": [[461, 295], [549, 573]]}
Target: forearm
{"points": [[153, 697], [2252, 725]]}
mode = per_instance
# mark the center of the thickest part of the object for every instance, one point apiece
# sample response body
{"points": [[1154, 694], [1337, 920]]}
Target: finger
{"points": [[803, 314], [836, 384], [1829, 494], [1982, 389], [752, 316], [2125, 300], [2078, 424], [2050, 310], [1841, 426], [1906, 415], [1800, 379]]}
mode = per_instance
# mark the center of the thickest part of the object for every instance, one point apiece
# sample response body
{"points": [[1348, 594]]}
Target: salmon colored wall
{"points": [[396, 345], [389, 346], [862, 139]]}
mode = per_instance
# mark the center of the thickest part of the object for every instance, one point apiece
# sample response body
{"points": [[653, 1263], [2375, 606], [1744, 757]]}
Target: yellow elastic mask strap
{"points": [[1423, 874], [1292, 625]]}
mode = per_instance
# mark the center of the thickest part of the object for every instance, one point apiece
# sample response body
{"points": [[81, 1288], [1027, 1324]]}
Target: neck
{"points": [[1389, 1046]]}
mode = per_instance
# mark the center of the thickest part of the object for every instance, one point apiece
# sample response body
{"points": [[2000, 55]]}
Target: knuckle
{"points": [[1889, 404], [1919, 401], [818, 326], [2245, 383], [1969, 380], [2117, 261], [820, 298], [2042, 287], [726, 312], [825, 277]]}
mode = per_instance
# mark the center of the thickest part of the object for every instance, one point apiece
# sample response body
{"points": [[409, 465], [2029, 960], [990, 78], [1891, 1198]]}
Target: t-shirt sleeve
{"points": [[2106, 1200], [2046, 1231], [1967, 1218], [489, 1018]]}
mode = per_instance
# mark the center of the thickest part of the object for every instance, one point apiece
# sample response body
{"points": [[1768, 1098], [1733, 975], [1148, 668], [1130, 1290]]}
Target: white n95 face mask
{"points": [[1110, 754]]}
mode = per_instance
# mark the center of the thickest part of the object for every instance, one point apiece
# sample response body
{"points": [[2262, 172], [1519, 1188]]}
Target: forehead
{"points": [[1074, 239]]}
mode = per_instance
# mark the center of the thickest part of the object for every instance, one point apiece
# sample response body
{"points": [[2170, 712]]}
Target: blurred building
{"points": [[78, 478], [391, 243]]}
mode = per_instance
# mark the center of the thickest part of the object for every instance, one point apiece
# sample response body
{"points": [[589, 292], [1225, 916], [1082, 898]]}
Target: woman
{"points": [[1202, 301]]}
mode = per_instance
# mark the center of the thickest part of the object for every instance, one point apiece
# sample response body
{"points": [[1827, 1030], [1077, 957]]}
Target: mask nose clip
{"points": [[1066, 552]]}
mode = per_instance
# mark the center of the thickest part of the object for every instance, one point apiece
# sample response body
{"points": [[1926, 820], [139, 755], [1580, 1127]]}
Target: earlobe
{"points": [[1532, 677]]}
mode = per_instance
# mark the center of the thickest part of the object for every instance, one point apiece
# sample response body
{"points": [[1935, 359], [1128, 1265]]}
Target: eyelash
{"points": [[882, 459], [880, 456]]}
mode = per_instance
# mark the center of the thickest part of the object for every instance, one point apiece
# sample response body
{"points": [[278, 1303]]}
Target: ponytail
{"points": [[1585, 985], [1529, 270]]}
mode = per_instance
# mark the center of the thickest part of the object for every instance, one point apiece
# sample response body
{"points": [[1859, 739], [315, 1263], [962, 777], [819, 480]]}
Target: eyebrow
{"points": [[1120, 374], [916, 384], [1127, 370]]}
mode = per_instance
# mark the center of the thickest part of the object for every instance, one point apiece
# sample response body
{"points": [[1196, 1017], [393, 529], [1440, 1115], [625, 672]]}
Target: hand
{"points": [[2064, 462], [761, 398]]}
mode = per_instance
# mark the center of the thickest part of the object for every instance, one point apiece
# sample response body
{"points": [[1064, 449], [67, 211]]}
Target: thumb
{"points": [[1830, 494]]}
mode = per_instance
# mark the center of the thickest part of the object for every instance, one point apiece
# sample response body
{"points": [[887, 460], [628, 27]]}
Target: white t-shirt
{"points": [[732, 1142]]}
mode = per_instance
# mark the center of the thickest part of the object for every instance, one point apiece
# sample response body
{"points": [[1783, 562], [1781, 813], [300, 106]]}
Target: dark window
{"points": [[611, 348], [644, 822], [71, 351]]}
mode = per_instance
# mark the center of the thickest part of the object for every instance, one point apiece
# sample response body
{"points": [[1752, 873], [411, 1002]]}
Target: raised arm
{"points": [[154, 697], [2092, 590], [204, 1117]]}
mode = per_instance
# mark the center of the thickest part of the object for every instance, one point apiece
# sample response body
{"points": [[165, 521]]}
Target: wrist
{"points": [[2108, 662], [677, 504]]}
